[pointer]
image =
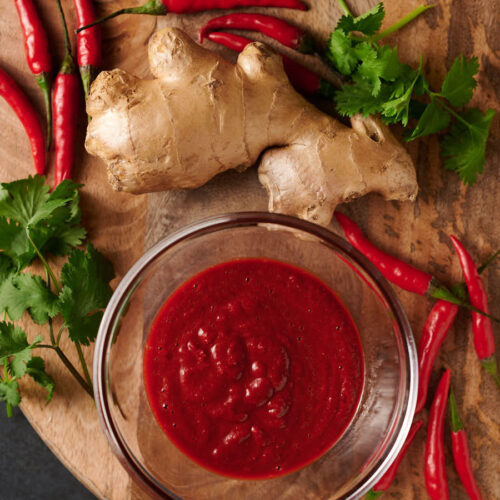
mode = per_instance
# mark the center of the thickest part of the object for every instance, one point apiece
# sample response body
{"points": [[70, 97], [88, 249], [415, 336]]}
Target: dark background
{"points": [[28, 469]]}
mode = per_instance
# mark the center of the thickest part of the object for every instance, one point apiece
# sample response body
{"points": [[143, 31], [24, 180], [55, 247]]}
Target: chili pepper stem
{"points": [[371, 495], [43, 80], [491, 367], [456, 423], [443, 293], [87, 74], [152, 8], [402, 22]]}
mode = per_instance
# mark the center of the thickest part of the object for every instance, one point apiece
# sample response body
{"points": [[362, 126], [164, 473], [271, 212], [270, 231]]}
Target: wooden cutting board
{"points": [[123, 226]]}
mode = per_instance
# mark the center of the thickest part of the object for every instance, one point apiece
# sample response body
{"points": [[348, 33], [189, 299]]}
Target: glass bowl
{"points": [[383, 418]]}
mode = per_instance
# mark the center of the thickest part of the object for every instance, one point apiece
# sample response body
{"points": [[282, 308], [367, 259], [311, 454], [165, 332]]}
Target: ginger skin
{"points": [[202, 115]]}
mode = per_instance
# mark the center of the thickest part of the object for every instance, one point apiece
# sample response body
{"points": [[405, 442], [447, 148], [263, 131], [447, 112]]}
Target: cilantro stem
{"points": [[435, 97], [69, 365], [73, 371], [345, 8], [44, 262], [59, 333], [8, 406], [51, 334], [83, 363], [402, 22]]}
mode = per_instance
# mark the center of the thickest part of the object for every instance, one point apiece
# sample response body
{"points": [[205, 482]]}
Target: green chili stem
{"points": [[43, 80], [488, 261], [490, 365], [152, 8], [402, 22], [456, 423]]}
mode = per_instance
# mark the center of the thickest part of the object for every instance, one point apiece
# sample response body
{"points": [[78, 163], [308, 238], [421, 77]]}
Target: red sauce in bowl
{"points": [[253, 368]]}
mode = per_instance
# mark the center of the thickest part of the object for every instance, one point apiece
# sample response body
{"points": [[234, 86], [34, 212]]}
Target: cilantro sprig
{"points": [[377, 82], [36, 223]]}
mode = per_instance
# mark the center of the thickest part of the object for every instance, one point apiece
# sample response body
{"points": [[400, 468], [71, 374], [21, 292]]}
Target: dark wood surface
{"points": [[123, 226]]}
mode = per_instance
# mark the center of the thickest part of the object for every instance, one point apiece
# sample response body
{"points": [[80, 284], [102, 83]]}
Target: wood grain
{"points": [[122, 226]]}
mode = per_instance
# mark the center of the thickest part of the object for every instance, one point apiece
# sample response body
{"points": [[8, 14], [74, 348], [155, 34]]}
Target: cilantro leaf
{"points": [[85, 279], [433, 119], [27, 201], [357, 97], [9, 392], [15, 244], [460, 83], [6, 268], [340, 53], [50, 220], [398, 109], [464, 146], [368, 23], [12, 340], [35, 368], [379, 64], [21, 292], [15, 348], [64, 238]]}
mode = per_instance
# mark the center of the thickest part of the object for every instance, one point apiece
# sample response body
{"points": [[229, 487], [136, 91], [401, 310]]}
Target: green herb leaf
{"points": [[377, 65], [357, 97], [36, 370], [50, 220], [21, 292], [27, 201], [12, 340], [340, 52], [460, 83], [398, 109], [15, 244], [9, 392], [85, 279], [464, 146], [6, 268], [14, 348], [433, 119], [368, 23]]}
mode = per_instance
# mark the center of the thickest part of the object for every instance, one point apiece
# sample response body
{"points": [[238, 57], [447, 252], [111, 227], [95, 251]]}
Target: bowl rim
{"points": [[208, 225]]}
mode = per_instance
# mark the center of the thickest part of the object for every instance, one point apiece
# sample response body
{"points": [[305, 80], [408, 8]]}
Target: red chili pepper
{"points": [[88, 43], [36, 46], [435, 472], [26, 113], [273, 27], [484, 341], [394, 270], [461, 454], [304, 80], [387, 479], [436, 328], [162, 7], [66, 101]]}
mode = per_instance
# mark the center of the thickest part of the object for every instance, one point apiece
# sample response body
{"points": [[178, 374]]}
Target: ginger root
{"points": [[202, 115]]}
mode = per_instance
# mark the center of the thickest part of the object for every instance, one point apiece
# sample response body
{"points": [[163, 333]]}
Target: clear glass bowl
{"points": [[377, 432]]}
